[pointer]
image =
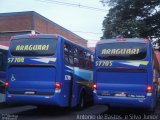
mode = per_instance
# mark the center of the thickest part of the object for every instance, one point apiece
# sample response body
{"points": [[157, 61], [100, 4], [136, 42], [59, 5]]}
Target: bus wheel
{"points": [[81, 104]]}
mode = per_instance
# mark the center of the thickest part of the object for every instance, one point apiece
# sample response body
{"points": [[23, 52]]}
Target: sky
{"points": [[70, 14]]}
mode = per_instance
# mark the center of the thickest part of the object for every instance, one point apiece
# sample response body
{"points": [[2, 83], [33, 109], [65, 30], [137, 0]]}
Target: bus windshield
{"points": [[33, 47], [122, 51]]}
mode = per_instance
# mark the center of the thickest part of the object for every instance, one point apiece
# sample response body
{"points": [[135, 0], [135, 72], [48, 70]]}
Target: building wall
{"points": [[92, 48], [43, 26], [8, 35], [14, 25], [17, 23]]}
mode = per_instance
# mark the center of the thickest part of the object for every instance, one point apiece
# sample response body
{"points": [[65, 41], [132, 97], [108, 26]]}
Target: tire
{"points": [[81, 103]]}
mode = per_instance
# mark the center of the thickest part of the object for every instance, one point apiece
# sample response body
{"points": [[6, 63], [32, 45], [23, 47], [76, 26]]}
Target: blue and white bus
{"points": [[126, 73], [45, 69]]}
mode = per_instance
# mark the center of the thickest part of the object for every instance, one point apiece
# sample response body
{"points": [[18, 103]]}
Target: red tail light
{"points": [[6, 83], [58, 85], [149, 88], [94, 86]]}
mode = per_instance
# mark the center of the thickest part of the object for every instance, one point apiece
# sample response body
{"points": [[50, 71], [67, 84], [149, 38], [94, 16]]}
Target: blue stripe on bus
{"points": [[84, 74]]}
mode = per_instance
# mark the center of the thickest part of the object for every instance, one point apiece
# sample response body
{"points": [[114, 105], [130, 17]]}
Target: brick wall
{"points": [[24, 21], [92, 48], [43, 26], [15, 23]]}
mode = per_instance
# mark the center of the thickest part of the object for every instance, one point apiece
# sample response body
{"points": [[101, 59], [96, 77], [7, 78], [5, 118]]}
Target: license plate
{"points": [[29, 92], [120, 95]]}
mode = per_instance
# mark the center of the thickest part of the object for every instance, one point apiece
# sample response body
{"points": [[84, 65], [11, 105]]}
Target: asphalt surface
{"points": [[29, 112], [94, 112]]}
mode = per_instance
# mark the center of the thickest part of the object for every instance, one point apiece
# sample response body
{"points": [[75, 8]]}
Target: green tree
{"points": [[132, 18]]}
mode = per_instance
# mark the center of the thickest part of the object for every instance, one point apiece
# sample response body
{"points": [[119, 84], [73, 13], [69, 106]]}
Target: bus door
{"points": [[70, 74], [73, 87]]}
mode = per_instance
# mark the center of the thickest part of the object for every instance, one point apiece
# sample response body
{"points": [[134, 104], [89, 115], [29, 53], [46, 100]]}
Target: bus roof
{"points": [[49, 36], [140, 40], [35, 35]]}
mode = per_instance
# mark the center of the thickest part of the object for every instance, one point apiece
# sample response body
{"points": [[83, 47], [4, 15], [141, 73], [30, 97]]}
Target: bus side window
{"points": [[66, 53], [88, 60], [81, 54], [71, 54], [92, 61], [76, 60]]}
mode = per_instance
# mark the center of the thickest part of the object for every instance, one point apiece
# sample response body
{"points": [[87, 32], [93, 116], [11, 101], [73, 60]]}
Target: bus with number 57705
{"points": [[126, 73]]}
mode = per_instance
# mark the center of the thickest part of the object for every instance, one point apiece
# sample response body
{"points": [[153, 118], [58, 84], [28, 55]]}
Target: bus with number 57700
{"points": [[46, 69]]}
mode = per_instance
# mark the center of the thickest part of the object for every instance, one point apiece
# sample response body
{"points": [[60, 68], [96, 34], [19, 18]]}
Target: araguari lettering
{"points": [[31, 47], [119, 51]]}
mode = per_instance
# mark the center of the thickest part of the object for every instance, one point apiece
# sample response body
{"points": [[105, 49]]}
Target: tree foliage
{"points": [[132, 18]]}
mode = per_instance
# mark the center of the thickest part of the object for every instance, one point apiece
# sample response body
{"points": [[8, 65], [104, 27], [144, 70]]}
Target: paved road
{"points": [[48, 113], [95, 112], [131, 114]]}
